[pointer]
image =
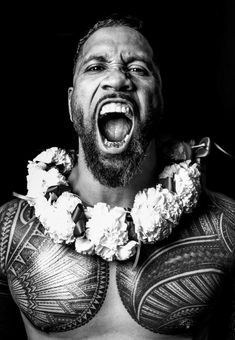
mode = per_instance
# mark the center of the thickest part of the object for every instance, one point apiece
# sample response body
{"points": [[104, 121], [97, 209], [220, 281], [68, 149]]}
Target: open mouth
{"points": [[116, 123]]}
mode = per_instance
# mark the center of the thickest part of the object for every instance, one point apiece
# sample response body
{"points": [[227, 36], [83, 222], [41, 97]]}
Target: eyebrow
{"points": [[95, 57], [128, 59]]}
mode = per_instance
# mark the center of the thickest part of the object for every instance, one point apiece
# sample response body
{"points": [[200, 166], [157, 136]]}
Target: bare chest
{"points": [[111, 322], [169, 291], [62, 294]]}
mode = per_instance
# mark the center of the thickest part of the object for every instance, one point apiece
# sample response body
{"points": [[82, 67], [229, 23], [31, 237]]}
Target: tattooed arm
{"points": [[224, 323], [232, 321], [11, 324]]}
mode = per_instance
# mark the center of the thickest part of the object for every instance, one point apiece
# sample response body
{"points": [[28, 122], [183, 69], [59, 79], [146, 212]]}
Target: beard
{"points": [[113, 170]]}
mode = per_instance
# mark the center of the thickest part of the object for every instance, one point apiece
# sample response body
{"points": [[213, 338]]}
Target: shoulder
{"points": [[9, 208], [223, 202], [16, 210], [13, 215], [8, 212], [223, 205], [219, 210]]}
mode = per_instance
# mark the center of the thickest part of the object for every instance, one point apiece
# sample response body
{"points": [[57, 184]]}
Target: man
{"points": [[168, 281]]}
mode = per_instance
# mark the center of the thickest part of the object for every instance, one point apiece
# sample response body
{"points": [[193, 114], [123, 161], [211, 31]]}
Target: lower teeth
{"points": [[115, 144]]}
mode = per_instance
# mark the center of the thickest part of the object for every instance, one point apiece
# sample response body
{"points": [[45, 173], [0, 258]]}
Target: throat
{"points": [[91, 192]]}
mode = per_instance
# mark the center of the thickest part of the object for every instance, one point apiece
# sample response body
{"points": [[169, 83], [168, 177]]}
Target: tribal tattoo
{"points": [[56, 288], [176, 286]]}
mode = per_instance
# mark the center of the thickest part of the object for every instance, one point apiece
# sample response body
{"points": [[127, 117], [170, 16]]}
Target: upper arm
{"points": [[11, 325], [227, 229], [222, 323], [4, 230], [226, 208], [232, 319]]}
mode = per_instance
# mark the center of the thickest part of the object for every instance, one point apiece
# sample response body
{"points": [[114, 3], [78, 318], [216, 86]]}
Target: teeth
{"points": [[115, 107], [125, 139], [115, 144]]}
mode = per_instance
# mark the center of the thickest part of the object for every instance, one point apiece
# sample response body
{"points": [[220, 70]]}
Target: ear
{"points": [[70, 92], [203, 148]]}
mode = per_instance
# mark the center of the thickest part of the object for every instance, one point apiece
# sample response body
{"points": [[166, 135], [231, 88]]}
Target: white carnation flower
{"points": [[107, 229], [41, 208], [39, 180], [106, 253], [58, 222], [67, 201], [54, 177], [126, 251], [47, 156], [59, 225], [57, 156], [169, 171], [62, 157], [187, 185], [36, 183], [84, 246], [155, 212]]}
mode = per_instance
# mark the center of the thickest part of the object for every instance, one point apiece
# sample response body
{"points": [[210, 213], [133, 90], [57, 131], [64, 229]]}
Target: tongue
{"points": [[115, 130]]}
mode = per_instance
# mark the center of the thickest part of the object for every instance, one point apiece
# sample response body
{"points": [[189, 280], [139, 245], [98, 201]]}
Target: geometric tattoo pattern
{"points": [[173, 289], [56, 288], [177, 284]]}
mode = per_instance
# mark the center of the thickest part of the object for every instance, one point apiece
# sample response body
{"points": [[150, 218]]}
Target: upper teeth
{"points": [[115, 107]]}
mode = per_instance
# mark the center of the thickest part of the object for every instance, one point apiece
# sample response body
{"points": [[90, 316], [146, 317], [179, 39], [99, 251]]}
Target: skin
{"points": [[114, 61]]}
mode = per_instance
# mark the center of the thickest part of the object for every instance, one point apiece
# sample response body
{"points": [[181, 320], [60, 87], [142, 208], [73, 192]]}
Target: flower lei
{"points": [[112, 233]]}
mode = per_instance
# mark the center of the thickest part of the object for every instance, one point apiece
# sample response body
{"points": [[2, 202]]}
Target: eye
{"points": [[95, 68], [139, 70]]}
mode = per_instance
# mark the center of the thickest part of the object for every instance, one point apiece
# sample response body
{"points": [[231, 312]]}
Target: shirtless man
{"points": [[181, 286]]}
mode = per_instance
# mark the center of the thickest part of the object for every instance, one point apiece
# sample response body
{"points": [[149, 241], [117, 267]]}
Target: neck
{"points": [[91, 191]]}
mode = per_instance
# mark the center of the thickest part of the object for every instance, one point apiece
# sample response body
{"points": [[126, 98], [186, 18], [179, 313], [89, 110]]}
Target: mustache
{"points": [[116, 95]]}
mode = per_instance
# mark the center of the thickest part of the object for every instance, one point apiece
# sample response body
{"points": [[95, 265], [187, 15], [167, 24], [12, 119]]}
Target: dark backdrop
{"points": [[196, 47]]}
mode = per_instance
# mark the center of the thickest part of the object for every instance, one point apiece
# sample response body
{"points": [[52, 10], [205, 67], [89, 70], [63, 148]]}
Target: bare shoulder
{"points": [[14, 215], [8, 212], [8, 309], [15, 212], [9, 209], [222, 209], [224, 204]]}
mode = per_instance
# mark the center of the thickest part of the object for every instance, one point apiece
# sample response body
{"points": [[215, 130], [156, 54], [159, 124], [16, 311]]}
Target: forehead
{"points": [[120, 39]]}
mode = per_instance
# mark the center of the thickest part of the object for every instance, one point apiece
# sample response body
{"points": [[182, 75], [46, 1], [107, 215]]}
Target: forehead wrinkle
{"points": [[96, 57], [126, 57]]}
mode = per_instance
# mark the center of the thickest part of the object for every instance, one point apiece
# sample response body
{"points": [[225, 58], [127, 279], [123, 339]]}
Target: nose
{"points": [[117, 80]]}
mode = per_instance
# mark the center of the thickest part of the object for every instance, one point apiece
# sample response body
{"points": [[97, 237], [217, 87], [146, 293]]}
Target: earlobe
{"points": [[70, 91]]}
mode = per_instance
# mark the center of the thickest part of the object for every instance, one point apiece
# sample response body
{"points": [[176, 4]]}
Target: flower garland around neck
{"points": [[114, 233]]}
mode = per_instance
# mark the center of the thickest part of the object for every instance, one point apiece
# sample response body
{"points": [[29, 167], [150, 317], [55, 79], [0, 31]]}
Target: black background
{"points": [[196, 45]]}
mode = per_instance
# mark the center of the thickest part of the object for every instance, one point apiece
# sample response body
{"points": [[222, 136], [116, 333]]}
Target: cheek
{"points": [[154, 95], [155, 101], [78, 96], [81, 91], [84, 96], [149, 99]]}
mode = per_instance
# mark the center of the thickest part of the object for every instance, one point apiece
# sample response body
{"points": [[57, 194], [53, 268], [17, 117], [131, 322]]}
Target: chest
{"points": [[172, 287]]}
